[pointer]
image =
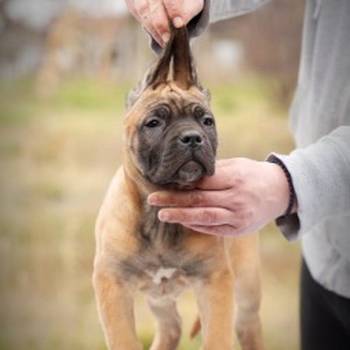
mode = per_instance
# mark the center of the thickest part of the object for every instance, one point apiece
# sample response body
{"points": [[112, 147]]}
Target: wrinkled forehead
{"points": [[169, 94]]}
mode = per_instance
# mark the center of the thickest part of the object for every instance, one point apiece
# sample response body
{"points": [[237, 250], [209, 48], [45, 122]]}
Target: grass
{"points": [[57, 155]]}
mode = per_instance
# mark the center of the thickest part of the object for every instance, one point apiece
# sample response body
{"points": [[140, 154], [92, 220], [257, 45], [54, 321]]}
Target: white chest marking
{"points": [[163, 273]]}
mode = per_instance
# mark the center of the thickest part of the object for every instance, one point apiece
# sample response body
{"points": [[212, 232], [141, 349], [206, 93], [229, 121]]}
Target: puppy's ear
{"points": [[174, 64], [160, 72], [184, 73], [155, 76]]}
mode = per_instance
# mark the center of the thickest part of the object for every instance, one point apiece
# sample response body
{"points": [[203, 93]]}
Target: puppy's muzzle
{"points": [[190, 139]]}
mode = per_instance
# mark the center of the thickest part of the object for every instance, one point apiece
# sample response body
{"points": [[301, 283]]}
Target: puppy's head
{"points": [[170, 130]]}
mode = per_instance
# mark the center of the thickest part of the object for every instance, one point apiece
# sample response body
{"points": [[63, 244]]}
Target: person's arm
{"points": [[244, 195], [154, 15], [321, 179], [224, 9]]}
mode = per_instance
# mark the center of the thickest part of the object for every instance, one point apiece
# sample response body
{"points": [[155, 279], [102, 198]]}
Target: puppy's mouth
{"points": [[190, 172], [184, 174]]}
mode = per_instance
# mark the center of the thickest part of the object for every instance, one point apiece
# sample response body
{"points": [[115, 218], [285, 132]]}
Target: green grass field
{"points": [[57, 155]]}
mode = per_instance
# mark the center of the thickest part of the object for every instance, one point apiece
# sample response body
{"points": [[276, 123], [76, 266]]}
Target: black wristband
{"points": [[292, 195]]}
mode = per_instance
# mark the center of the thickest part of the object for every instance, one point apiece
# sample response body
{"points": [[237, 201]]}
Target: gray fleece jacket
{"points": [[320, 122]]}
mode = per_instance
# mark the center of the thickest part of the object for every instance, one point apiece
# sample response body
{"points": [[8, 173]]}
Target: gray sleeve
{"points": [[214, 11], [224, 9], [321, 179]]}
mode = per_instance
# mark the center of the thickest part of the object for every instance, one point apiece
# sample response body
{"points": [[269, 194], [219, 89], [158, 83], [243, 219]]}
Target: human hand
{"points": [[242, 197], [154, 15]]}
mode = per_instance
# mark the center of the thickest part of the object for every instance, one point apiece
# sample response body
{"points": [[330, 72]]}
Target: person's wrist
{"points": [[278, 189], [285, 188]]}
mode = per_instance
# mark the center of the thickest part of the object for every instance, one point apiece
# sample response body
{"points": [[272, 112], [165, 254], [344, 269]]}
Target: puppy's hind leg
{"points": [[168, 331]]}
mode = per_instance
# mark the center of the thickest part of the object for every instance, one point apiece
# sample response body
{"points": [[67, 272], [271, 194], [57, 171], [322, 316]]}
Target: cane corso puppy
{"points": [[170, 142]]}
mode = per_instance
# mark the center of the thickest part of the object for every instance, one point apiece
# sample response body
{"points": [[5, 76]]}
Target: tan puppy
{"points": [[170, 142]]}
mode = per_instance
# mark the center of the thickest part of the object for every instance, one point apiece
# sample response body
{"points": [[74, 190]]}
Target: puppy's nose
{"points": [[191, 139]]}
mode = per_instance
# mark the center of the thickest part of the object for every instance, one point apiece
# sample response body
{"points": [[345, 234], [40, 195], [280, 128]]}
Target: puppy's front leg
{"points": [[115, 306], [216, 309]]}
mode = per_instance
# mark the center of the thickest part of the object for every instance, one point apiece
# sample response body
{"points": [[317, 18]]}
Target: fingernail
{"points": [[178, 22], [163, 216], [152, 199], [166, 37]]}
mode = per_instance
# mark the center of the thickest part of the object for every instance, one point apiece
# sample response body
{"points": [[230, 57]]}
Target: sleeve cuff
{"points": [[289, 225]]}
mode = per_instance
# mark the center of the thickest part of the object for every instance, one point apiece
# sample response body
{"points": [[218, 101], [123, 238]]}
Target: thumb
{"points": [[216, 182], [181, 12]]}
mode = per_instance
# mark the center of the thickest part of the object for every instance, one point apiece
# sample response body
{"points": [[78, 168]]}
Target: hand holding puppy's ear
{"points": [[154, 15], [181, 12]]}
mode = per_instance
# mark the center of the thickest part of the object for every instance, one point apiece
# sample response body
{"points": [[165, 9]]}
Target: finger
{"points": [[143, 15], [221, 230], [187, 198], [159, 20], [131, 6], [181, 11], [221, 180], [153, 33], [196, 216], [174, 9], [140, 8], [223, 162]]}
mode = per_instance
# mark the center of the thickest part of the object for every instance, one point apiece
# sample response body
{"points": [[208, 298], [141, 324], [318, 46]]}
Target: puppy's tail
{"points": [[195, 328]]}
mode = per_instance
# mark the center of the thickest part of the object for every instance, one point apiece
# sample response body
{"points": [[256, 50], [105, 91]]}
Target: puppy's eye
{"points": [[152, 123], [208, 121], [198, 112]]}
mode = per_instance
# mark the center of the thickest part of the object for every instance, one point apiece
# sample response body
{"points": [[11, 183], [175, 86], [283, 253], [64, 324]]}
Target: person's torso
{"points": [[321, 104]]}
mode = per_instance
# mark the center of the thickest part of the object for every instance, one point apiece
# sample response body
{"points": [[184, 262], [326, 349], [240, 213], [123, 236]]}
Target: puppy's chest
{"points": [[163, 265], [155, 234]]}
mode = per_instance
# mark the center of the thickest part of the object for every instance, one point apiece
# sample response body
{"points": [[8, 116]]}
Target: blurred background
{"points": [[65, 69]]}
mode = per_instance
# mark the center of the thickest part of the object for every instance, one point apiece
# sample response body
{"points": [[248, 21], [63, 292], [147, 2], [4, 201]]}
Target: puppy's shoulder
{"points": [[118, 215]]}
